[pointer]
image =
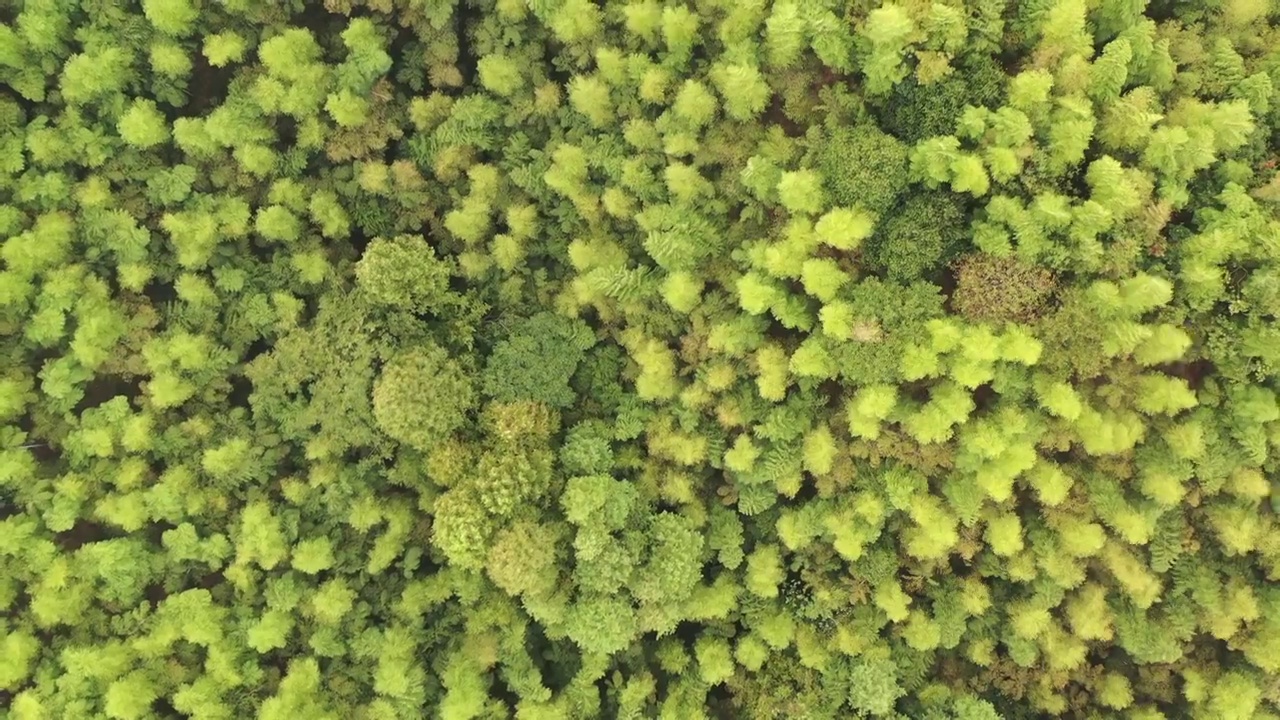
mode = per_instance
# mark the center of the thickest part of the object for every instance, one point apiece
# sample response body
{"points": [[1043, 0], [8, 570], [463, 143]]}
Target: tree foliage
{"points": [[572, 359]]}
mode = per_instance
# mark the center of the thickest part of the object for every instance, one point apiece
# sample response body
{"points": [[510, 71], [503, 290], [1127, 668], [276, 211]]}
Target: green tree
{"points": [[536, 361], [862, 167], [421, 396], [919, 238]]}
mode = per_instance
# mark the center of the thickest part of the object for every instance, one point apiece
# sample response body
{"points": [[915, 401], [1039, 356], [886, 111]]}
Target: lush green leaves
{"points": [[421, 396], [560, 359]]}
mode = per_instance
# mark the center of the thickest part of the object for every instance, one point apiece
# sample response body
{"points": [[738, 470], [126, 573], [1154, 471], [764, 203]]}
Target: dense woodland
{"points": [[557, 359]]}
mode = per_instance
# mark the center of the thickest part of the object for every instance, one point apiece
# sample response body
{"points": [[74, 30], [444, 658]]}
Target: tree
{"points": [[143, 125], [918, 238], [743, 88], [404, 272], [998, 289], [500, 74], [172, 17], [224, 48], [873, 686], [801, 192], [862, 167], [462, 529], [672, 359], [590, 97], [522, 559], [914, 110], [602, 624], [421, 396], [537, 360]]}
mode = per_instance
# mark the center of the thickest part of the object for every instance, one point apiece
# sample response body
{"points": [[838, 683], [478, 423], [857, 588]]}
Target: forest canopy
{"points": [[558, 359]]}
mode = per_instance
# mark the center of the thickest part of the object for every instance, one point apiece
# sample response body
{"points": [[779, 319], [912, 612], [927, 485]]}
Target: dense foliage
{"points": [[377, 359]]}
